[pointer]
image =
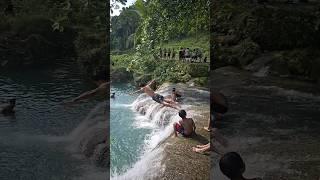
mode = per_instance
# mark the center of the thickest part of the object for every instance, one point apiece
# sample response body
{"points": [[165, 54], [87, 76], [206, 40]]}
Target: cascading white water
{"points": [[160, 119], [95, 116]]}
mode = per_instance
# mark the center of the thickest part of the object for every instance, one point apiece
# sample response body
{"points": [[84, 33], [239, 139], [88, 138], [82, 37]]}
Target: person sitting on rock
{"points": [[8, 109], [185, 126], [100, 79], [175, 95], [155, 96], [232, 166]]}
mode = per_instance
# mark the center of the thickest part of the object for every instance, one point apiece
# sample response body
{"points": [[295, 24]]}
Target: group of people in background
{"points": [[184, 54]]}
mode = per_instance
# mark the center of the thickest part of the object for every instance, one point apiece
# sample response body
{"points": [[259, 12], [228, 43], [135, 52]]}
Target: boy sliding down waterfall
{"points": [[155, 96]]}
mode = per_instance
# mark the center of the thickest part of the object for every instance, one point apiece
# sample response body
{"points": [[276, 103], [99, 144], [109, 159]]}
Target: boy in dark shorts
{"points": [[232, 166], [155, 96], [185, 127]]}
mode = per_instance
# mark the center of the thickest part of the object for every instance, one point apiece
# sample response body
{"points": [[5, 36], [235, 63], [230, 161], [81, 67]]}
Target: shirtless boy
{"points": [[186, 126], [155, 96]]}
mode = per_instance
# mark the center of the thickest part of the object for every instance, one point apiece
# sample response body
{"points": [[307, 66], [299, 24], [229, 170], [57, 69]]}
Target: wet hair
{"points": [[173, 89], [232, 165], [182, 113]]}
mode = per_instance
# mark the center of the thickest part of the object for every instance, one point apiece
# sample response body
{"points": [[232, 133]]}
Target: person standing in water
{"points": [[155, 96], [102, 88], [8, 109]]}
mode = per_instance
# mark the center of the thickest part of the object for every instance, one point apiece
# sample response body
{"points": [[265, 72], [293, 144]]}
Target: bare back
{"points": [[148, 91], [187, 125]]}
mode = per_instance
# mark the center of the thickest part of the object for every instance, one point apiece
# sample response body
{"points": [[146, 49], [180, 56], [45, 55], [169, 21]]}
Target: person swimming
{"points": [[232, 166], [9, 108], [100, 79], [113, 95]]}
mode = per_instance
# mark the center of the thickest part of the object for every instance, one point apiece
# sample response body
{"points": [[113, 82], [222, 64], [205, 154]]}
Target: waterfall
{"points": [[160, 119]]}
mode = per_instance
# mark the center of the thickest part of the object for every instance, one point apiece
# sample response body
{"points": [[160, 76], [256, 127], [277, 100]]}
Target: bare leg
{"points": [[174, 129], [170, 101], [208, 127], [169, 105], [203, 149], [201, 146]]}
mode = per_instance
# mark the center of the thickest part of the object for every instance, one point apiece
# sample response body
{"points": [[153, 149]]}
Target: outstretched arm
{"points": [[101, 89], [151, 82], [135, 91]]}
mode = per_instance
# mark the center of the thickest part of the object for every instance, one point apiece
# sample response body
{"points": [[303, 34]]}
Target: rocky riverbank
{"points": [[179, 161], [272, 122], [272, 38]]}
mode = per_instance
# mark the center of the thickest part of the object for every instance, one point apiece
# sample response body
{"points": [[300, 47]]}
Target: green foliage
{"points": [[123, 28], [162, 71], [176, 20]]}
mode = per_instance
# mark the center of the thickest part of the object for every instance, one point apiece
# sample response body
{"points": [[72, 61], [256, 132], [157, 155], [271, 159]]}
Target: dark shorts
{"points": [[158, 98]]}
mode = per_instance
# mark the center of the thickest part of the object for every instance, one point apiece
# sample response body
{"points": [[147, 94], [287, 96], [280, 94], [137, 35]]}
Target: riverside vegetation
{"points": [[139, 32]]}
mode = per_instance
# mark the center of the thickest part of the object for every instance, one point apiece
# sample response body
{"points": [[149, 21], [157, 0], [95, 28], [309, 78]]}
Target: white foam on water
{"points": [[148, 167], [150, 114], [95, 116]]}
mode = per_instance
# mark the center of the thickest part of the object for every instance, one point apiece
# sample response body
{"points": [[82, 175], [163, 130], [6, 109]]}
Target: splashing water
{"points": [[158, 122]]}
